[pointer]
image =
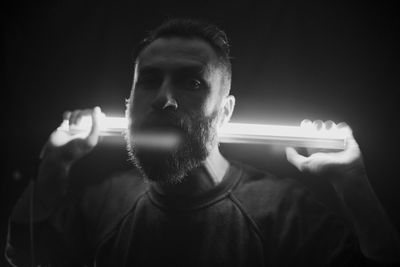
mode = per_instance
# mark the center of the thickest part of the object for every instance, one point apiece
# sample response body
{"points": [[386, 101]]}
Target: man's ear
{"points": [[228, 105]]}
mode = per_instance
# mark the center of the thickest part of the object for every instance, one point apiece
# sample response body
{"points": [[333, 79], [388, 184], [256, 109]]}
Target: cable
{"points": [[31, 221], [32, 203]]}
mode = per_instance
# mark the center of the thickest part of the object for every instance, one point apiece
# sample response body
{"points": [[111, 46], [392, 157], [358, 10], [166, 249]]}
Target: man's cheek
{"points": [[211, 106], [192, 101], [143, 99]]}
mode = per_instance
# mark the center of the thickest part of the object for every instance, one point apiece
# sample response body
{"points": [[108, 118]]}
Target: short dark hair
{"points": [[191, 29]]}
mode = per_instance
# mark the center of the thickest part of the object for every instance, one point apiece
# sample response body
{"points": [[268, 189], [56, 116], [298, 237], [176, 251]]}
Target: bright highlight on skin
{"points": [[297, 136]]}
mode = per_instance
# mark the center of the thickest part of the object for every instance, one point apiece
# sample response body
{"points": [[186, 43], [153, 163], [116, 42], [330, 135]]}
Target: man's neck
{"points": [[201, 179]]}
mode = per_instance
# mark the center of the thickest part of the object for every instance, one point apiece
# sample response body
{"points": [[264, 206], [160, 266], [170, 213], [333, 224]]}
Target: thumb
{"points": [[93, 136], [295, 158]]}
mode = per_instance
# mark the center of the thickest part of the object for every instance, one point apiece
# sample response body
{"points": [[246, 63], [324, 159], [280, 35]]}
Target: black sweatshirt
{"points": [[251, 218]]}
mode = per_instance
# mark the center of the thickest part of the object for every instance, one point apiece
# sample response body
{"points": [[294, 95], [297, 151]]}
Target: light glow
{"points": [[296, 136]]}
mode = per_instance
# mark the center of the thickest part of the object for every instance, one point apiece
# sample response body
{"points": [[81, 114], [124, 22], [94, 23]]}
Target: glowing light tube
{"points": [[238, 133]]}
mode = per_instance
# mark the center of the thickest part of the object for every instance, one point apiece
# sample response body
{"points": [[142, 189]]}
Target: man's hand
{"points": [[67, 147], [60, 152], [379, 240], [63, 149], [337, 166]]}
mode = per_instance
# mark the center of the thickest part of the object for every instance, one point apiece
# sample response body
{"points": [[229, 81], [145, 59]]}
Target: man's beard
{"points": [[198, 137]]}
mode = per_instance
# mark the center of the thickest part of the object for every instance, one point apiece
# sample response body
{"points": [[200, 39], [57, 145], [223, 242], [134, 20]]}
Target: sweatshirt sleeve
{"points": [[298, 230], [57, 237], [70, 234], [321, 236]]}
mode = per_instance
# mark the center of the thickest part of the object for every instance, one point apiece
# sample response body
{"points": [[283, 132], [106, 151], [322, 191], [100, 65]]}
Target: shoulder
{"points": [[287, 210], [292, 222], [275, 202], [259, 187], [105, 204]]}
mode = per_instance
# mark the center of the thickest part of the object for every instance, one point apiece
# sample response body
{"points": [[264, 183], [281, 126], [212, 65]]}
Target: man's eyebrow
{"points": [[194, 69], [199, 70], [149, 70]]}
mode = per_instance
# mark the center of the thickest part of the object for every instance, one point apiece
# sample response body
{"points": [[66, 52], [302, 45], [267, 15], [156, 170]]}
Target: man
{"points": [[187, 205]]}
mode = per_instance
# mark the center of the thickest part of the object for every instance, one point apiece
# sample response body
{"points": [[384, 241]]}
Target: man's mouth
{"points": [[158, 137]]}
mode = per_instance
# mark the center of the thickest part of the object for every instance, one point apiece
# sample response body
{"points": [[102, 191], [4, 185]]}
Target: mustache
{"points": [[163, 119]]}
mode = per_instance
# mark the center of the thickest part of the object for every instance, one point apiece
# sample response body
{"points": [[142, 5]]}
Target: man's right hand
{"points": [[67, 147], [57, 156], [63, 149]]}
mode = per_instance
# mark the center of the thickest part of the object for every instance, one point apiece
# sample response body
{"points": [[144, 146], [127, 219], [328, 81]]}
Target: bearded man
{"points": [[186, 204]]}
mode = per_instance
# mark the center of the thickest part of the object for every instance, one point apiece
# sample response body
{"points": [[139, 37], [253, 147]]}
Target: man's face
{"points": [[176, 89]]}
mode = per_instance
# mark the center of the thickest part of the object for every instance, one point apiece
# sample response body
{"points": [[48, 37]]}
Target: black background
{"points": [[291, 60]]}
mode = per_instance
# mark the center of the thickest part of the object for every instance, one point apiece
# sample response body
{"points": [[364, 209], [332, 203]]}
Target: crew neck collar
{"points": [[200, 200]]}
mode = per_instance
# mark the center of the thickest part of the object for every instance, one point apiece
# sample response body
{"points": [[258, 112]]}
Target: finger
{"points": [[330, 125], [351, 143], [295, 158], [77, 115], [73, 119], [318, 124], [342, 125], [306, 123], [345, 129], [66, 115], [93, 136]]}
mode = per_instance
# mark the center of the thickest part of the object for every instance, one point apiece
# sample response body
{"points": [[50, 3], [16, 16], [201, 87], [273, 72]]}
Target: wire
{"points": [[32, 203], [31, 221]]}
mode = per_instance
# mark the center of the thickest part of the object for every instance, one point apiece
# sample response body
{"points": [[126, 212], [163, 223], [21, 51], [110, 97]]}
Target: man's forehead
{"points": [[178, 52]]}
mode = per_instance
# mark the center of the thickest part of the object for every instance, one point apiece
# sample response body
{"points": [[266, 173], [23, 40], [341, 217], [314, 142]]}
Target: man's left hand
{"points": [[340, 167]]}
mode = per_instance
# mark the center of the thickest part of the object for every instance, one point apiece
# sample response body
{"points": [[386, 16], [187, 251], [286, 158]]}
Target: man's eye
{"points": [[149, 82], [194, 84]]}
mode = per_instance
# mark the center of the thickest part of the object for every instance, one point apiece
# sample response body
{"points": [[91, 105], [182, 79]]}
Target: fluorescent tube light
{"points": [[237, 133]]}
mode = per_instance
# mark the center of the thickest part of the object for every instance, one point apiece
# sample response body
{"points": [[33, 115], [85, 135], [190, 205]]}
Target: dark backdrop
{"points": [[291, 60]]}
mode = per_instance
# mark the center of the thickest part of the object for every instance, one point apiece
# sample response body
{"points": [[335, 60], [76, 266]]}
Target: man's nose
{"points": [[165, 98]]}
